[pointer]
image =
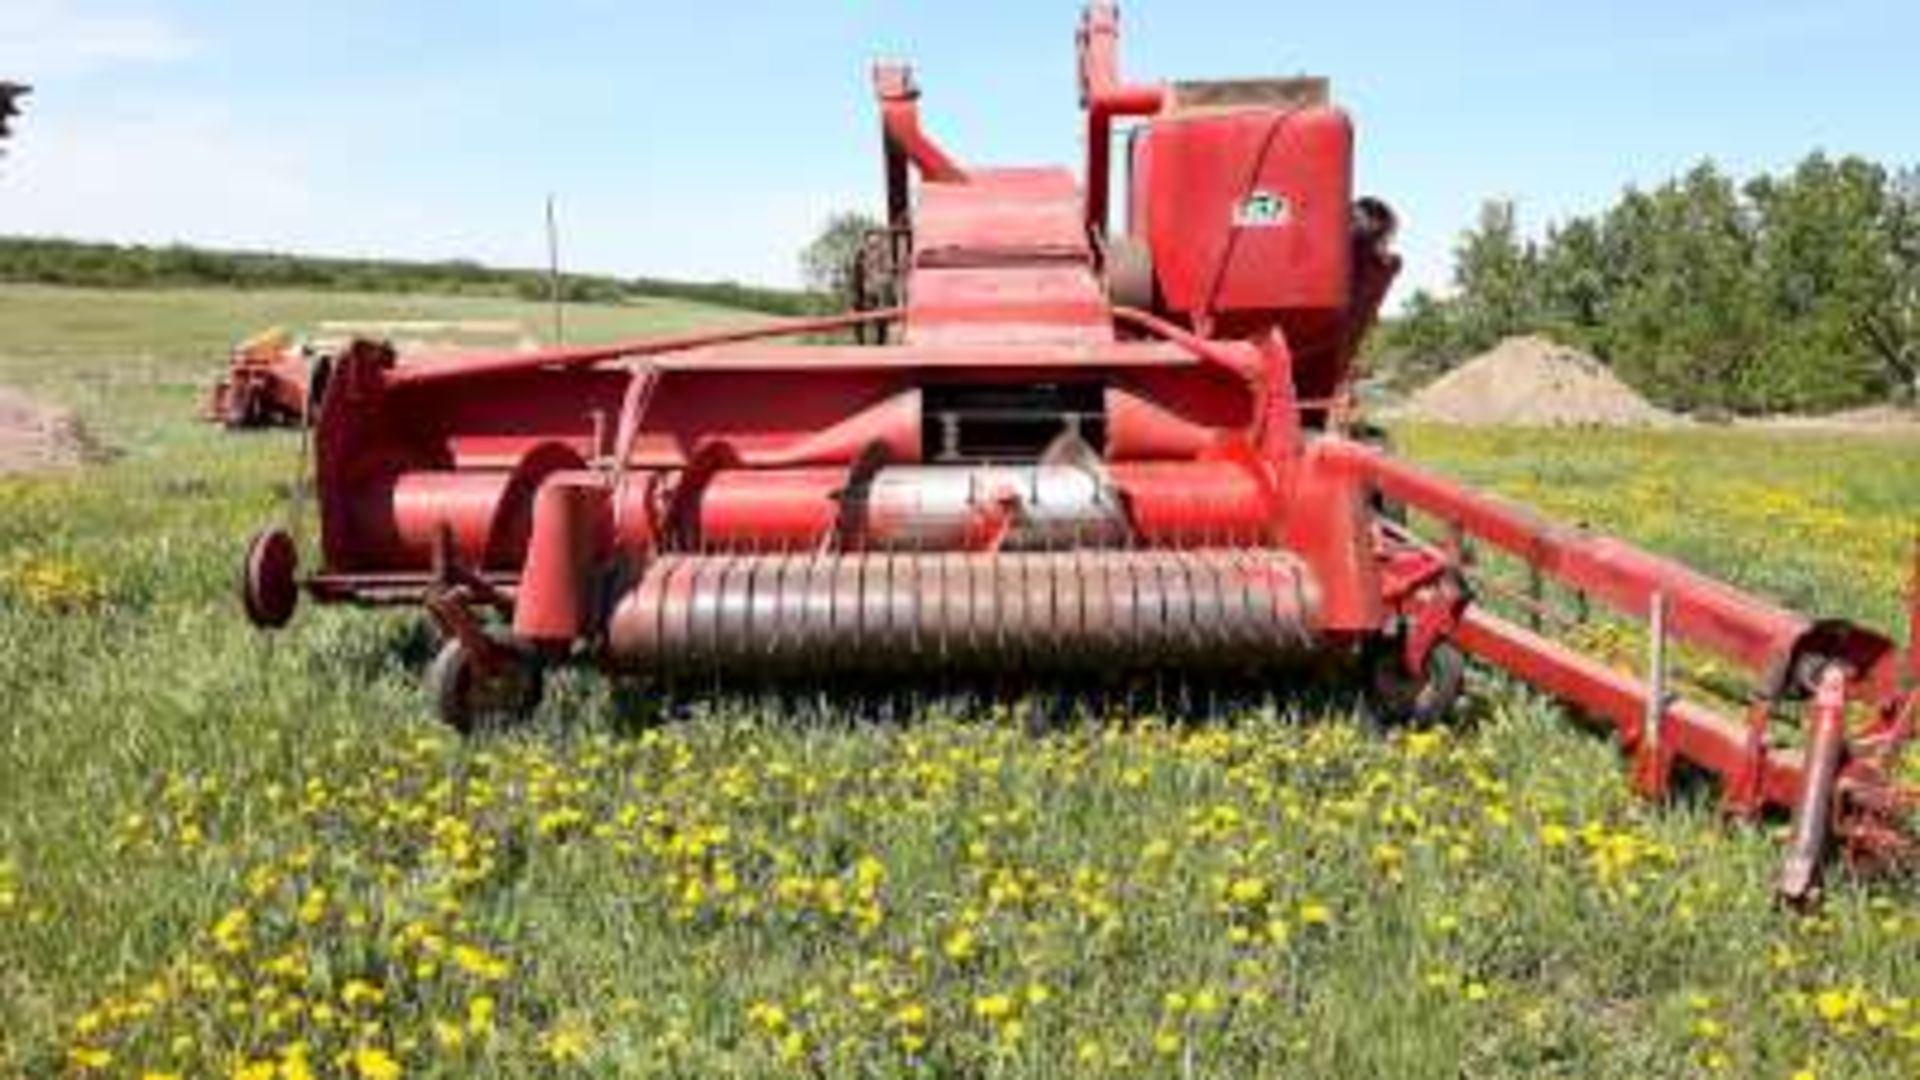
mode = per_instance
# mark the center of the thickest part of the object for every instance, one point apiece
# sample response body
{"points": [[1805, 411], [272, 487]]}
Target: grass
{"points": [[229, 855], [129, 361]]}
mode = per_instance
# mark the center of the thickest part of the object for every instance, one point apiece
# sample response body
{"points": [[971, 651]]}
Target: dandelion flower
{"points": [[373, 1063]]}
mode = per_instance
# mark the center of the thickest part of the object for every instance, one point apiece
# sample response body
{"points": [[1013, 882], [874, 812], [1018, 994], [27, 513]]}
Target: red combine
{"points": [[1060, 449]]}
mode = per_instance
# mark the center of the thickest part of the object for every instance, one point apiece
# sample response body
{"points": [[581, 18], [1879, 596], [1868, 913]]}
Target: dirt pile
{"points": [[1533, 382], [35, 435]]}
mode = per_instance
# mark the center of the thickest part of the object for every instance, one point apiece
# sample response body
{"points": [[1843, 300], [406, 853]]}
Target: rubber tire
{"points": [[450, 683], [1395, 698]]}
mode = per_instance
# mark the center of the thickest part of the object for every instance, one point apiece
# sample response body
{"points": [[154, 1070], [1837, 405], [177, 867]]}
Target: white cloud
{"points": [[50, 39], [175, 173], [167, 171]]}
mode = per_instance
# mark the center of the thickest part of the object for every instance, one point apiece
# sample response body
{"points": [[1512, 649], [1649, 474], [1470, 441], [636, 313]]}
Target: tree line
{"points": [[71, 262], [1796, 291]]}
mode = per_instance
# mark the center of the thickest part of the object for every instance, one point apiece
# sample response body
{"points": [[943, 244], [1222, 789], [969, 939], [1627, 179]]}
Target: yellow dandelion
{"points": [[361, 992], [232, 933], [959, 945], [567, 1042], [479, 963], [1247, 891], [480, 1015], [1833, 1005], [767, 1016], [994, 1007], [373, 1063]]}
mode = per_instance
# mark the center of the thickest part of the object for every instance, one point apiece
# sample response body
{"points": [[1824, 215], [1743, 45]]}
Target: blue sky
{"points": [[710, 139]]}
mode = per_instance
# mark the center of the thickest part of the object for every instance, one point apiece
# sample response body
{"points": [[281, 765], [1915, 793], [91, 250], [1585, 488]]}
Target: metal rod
{"points": [[553, 277], [1656, 677], [467, 366], [1913, 618], [1813, 812]]}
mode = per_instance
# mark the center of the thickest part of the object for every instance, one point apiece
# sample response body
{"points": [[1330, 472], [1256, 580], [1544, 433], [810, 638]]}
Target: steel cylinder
{"points": [[906, 612]]}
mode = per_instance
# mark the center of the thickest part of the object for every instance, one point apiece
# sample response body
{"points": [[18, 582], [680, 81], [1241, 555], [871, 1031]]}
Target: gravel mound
{"points": [[35, 436], [1533, 382]]}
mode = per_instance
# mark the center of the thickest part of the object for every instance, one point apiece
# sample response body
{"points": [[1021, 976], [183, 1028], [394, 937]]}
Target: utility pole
{"points": [[553, 276]]}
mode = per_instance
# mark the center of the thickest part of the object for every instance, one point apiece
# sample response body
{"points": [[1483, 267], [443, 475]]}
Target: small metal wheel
{"points": [[268, 588], [1398, 696], [470, 696]]}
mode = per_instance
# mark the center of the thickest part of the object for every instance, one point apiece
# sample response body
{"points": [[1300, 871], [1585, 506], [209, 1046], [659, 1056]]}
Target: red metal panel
{"points": [[571, 538], [1009, 211], [1041, 304], [1002, 258], [1248, 209]]}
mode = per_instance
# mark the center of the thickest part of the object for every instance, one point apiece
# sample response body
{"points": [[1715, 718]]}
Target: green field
{"points": [[228, 855]]}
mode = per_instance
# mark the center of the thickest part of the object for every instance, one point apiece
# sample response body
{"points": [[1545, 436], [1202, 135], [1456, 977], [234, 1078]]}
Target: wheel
{"points": [[1399, 696], [468, 699], [268, 588]]}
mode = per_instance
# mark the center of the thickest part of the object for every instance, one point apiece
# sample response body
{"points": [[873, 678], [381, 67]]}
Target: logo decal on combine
{"points": [[1262, 209]]}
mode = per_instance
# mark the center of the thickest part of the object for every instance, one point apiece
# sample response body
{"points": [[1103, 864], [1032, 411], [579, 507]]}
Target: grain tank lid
{"points": [[1288, 93]]}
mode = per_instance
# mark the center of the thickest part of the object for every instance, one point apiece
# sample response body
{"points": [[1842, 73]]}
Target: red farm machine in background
{"points": [[272, 378], [269, 382], [1056, 447]]}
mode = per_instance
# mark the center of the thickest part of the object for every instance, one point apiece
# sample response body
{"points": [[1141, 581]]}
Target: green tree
{"points": [[1681, 320], [1574, 282], [1891, 325], [1828, 265], [826, 265], [1494, 275]]}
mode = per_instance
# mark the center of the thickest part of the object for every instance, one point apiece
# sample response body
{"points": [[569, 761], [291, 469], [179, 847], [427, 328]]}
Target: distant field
{"points": [[129, 360], [225, 855]]}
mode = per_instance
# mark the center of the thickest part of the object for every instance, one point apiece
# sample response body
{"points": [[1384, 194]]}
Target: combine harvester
{"points": [[1063, 449]]}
